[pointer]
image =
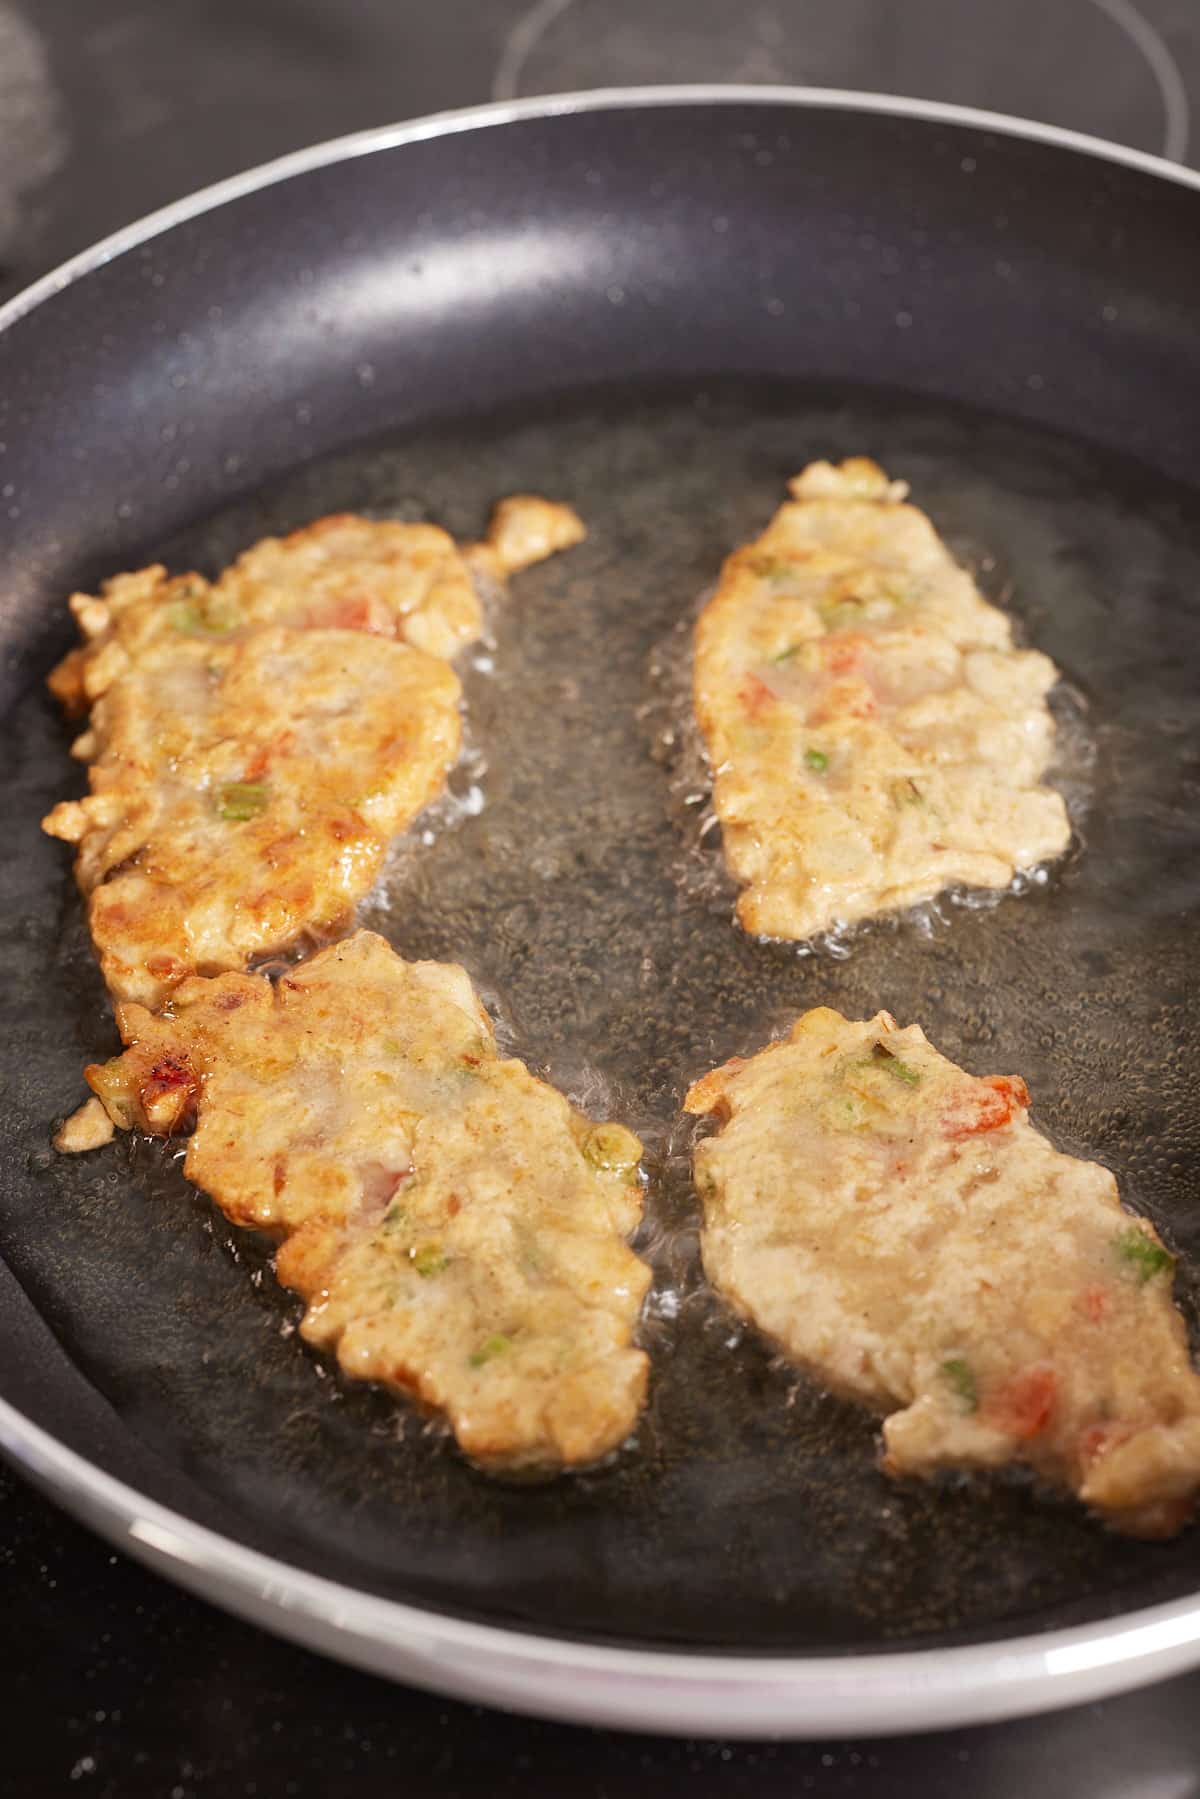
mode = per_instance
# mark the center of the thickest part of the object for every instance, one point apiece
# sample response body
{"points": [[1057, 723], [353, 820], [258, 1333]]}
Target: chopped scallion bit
{"points": [[203, 613], [817, 760], [841, 614], [854, 1113], [786, 655], [1145, 1257], [611, 1147], [221, 614], [960, 1376], [903, 1071], [887, 1059], [184, 616], [429, 1258], [239, 800], [488, 1350]]}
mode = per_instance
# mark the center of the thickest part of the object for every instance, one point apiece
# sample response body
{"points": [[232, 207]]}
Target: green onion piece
{"points": [[203, 612], [793, 649], [817, 760], [429, 1259], [887, 1059], [221, 615], [611, 1147], [184, 616], [1145, 1257], [841, 614], [239, 800], [854, 1113], [488, 1350], [903, 1072], [961, 1378], [394, 1217]]}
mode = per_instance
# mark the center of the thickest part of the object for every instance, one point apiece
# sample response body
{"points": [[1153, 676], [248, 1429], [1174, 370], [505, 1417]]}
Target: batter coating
{"points": [[246, 791], [455, 1228], [901, 1231], [873, 734]]}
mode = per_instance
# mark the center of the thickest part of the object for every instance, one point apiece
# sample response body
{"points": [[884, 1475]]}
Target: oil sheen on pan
{"points": [[751, 1512]]}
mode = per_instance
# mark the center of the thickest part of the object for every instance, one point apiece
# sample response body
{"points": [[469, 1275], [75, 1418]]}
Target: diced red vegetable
{"points": [[987, 1105], [168, 1094], [354, 612], [1025, 1405], [844, 650], [849, 697], [1093, 1303], [755, 695]]}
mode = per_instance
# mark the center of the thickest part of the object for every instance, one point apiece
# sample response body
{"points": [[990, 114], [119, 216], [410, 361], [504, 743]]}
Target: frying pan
{"points": [[656, 305]]}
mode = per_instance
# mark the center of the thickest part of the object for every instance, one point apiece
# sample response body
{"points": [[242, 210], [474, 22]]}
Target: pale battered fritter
{"points": [[390, 579], [899, 1229], [88, 1127], [244, 792], [454, 1226], [525, 529], [874, 736]]}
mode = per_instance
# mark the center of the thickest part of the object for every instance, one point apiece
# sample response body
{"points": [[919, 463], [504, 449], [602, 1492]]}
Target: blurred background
{"points": [[109, 108]]}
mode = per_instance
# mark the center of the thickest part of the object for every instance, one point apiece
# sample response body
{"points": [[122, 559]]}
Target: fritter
{"points": [[256, 742], [455, 1228], [345, 573], [246, 792], [873, 734], [902, 1232]]}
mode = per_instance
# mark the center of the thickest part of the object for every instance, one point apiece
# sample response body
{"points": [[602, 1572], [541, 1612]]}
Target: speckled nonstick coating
{"points": [[657, 316]]}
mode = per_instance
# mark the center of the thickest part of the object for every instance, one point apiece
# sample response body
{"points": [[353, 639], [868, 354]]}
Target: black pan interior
{"points": [[659, 315]]}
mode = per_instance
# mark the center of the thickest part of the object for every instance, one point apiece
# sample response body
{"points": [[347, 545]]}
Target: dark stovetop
{"points": [[114, 1683]]}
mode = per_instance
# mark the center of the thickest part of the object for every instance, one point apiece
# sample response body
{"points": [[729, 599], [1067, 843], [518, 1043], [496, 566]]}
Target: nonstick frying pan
{"points": [[656, 305]]}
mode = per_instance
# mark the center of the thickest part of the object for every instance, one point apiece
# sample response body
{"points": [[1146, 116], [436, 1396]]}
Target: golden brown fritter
{"points": [[257, 741], [873, 734], [901, 1230], [455, 1228], [246, 791]]}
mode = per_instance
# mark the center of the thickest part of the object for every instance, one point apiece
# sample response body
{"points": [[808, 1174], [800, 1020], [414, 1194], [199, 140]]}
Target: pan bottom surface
{"points": [[572, 874]]}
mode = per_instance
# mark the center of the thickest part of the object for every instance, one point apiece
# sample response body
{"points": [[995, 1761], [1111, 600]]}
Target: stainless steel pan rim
{"points": [[694, 1693]]}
